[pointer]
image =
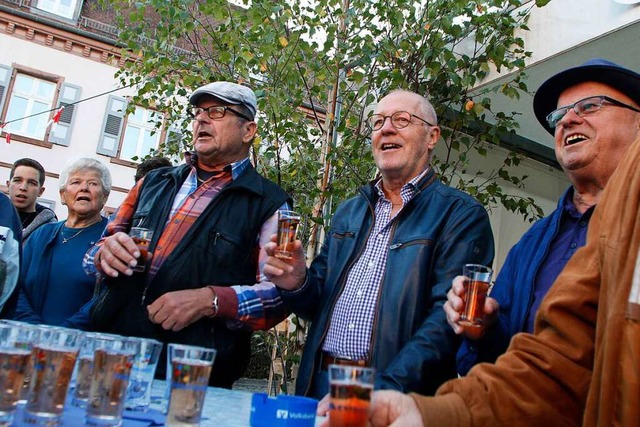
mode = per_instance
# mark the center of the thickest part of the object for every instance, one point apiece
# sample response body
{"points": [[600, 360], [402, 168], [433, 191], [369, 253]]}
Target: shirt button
{"points": [[583, 223], [176, 221], [351, 326], [371, 264], [574, 245], [158, 248], [359, 293]]}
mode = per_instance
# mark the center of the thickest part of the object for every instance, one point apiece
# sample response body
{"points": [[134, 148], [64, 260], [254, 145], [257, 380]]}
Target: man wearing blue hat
{"points": [[210, 219], [580, 365], [592, 110]]}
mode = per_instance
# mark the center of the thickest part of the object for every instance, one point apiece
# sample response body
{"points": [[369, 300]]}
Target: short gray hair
{"points": [[425, 105], [86, 163]]}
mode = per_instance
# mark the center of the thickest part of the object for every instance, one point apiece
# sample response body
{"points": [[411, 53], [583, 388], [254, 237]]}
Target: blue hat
{"points": [[594, 70], [228, 92]]}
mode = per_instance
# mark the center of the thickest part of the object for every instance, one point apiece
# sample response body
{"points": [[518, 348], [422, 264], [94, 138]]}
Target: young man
{"points": [[26, 184]]}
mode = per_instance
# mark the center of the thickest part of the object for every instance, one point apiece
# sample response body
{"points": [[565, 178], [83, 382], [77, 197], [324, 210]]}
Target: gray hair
{"points": [[425, 105], [86, 163]]}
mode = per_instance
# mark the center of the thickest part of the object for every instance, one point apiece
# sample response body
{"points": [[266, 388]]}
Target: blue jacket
{"points": [[412, 346], [35, 272], [10, 253], [513, 289]]}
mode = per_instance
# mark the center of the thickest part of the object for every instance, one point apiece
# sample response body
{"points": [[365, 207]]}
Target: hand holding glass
{"points": [[477, 279], [288, 222], [142, 238]]}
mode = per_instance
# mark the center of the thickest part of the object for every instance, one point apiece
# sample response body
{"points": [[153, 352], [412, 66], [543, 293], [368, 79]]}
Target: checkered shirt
{"points": [[349, 332]]}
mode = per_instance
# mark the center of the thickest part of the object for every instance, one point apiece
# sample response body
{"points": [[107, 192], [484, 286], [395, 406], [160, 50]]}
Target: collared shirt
{"points": [[351, 323], [259, 304], [572, 235]]}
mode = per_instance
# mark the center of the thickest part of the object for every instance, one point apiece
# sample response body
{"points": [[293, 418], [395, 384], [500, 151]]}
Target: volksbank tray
{"points": [[282, 411]]}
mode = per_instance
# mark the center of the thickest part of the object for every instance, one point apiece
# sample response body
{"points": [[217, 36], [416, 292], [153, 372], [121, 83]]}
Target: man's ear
{"points": [[250, 129], [41, 191], [434, 136]]}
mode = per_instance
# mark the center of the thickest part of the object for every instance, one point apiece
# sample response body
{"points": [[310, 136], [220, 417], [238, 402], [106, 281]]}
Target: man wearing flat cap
{"points": [[579, 362], [203, 283]]}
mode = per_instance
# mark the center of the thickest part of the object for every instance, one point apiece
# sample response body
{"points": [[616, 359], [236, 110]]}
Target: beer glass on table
{"points": [[15, 352], [189, 377], [142, 374], [142, 238], [112, 361], [54, 356], [477, 281], [288, 223], [350, 389]]}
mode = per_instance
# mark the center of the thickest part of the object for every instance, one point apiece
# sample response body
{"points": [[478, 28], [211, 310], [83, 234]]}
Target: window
{"points": [[29, 99], [125, 136], [30, 96], [69, 9], [140, 134]]}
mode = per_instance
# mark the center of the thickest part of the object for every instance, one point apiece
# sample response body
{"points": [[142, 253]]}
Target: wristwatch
{"points": [[214, 301]]}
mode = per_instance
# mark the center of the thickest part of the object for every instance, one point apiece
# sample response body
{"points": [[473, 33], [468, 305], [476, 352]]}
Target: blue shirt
{"points": [[572, 235]]}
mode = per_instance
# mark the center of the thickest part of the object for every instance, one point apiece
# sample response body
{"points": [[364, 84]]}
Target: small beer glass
{"points": [[350, 389], [477, 279], [142, 374], [142, 237], [112, 362], [54, 356], [288, 223], [15, 352], [190, 371]]}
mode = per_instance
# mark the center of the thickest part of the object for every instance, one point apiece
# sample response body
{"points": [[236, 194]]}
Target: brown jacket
{"points": [[582, 366]]}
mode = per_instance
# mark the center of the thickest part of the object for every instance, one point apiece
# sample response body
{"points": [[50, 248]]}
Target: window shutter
{"points": [[112, 127], [61, 132], [5, 78]]}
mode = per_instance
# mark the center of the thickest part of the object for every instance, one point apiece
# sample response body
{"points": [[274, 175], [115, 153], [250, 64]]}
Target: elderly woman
{"points": [[53, 285]]}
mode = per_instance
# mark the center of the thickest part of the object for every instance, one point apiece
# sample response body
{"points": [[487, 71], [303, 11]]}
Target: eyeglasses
{"points": [[399, 120], [585, 107], [215, 112]]}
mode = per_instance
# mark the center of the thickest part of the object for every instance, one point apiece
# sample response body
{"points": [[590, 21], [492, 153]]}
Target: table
{"points": [[222, 408]]}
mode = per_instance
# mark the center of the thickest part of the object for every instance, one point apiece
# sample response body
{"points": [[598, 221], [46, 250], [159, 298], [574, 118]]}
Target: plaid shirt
{"points": [[349, 331], [259, 304]]}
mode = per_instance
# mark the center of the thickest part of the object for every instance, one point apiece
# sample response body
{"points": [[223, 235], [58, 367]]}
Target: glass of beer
{"points": [[288, 222], [142, 374], [83, 371], [112, 362], [350, 388], [15, 352], [190, 371], [477, 279], [54, 356], [142, 237]]}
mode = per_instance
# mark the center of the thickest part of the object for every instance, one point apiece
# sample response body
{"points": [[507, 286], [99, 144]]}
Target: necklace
{"points": [[66, 239]]}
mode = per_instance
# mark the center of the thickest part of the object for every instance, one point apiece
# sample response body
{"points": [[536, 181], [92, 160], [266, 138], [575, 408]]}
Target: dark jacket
{"points": [[513, 289], [44, 216], [10, 254], [436, 233], [219, 249]]}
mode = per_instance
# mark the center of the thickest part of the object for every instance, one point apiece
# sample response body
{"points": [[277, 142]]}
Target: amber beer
{"points": [[190, 371], [109, 382], [476, 287], [350, 390], [142, 238], [288, 222], [349, 404], [13, 364], [52, 370]]}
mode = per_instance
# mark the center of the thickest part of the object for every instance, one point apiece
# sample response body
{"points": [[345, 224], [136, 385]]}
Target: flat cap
{"points": [[228, 92]]}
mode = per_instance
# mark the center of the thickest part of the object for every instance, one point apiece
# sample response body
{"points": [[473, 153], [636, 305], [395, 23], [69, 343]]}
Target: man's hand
{"points": [[177, 310], [455, 305], [392, 408], [117, 255], [287, 274]]}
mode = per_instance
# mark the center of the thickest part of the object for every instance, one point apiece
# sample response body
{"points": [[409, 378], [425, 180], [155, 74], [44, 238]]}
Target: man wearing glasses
{"points": [[375, 292], [210, 220], [592, 110]]}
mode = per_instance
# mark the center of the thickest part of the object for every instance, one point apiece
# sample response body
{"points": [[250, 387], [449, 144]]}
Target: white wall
{"points": [[94, 78]]}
